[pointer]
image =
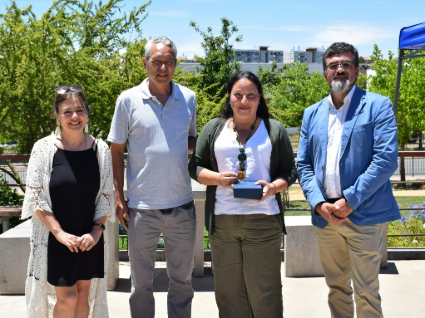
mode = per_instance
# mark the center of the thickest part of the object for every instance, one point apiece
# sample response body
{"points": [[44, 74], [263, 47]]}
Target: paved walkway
{"points": [[402, 292]]}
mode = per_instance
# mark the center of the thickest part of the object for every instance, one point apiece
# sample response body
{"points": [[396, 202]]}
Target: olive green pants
{"points": [[246, 259]]}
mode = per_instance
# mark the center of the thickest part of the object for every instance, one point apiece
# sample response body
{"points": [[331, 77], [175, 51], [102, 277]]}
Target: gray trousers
{"points": [[179, 228], [246, 258]]}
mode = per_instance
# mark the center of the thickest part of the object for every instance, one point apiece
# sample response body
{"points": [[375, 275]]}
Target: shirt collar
{"points": [[347, 99], [146, 94]]}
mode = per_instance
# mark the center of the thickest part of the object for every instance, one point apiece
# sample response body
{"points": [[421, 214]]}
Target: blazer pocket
{"points": [[367, 126]]}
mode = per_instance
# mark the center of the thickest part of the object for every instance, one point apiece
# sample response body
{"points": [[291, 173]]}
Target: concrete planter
{"points": [[407, 254]]}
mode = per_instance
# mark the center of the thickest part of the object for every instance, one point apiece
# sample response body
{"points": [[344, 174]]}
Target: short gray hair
{"points": [[159, 39]]}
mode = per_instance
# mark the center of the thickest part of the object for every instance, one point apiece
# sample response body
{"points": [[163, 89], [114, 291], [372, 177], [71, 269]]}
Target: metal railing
{"points": [[414, 155]]}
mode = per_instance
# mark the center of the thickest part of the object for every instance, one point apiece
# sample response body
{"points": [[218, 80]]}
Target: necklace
{"points": [[242, 155]]}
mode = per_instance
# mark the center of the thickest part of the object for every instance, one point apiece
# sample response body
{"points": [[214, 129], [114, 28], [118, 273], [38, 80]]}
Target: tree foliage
{"points": [[72, 43], [7, 195], [411, 105], [292, 91], [217, 64], [269, 75], [208, 106]]}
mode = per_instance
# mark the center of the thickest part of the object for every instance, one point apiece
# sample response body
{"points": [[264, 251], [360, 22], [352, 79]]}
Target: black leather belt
{"points": [[333, 200]]}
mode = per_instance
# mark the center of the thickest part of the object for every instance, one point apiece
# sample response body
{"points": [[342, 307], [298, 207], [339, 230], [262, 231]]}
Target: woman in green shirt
{"points": [[245, 235]]}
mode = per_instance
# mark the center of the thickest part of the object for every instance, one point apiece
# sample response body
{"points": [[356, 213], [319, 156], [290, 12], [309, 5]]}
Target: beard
{"points": [[340, 85]]}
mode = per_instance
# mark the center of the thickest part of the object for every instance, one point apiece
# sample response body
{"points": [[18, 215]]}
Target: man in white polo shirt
{"points": [[157, 122]]}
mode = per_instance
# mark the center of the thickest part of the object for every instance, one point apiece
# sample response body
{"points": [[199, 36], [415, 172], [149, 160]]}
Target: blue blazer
{"points": [[368, 158]]}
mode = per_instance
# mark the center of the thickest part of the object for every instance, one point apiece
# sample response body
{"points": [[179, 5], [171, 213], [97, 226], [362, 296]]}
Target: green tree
{"points": [[295, 90], [269, 75], [10, 196], [411, 105], [7, 195], [361, 59], [218, 65], [208, 106], [72, 43]]}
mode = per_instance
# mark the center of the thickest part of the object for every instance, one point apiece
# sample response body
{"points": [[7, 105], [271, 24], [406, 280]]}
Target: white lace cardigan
{"points": [[40, 295]]}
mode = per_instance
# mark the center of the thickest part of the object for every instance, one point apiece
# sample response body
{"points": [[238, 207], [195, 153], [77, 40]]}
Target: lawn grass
{"points": [[298, 204], [404, 202]]}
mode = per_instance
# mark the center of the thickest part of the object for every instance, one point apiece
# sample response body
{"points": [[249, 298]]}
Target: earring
{"points": [[58, 129], [86, 129]]}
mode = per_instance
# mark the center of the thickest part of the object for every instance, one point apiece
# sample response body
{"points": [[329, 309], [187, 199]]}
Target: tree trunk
{"points": [[13, 174], [402, 168]]}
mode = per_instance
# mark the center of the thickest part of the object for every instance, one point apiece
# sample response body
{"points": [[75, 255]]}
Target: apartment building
{"points": [[306, 55], [260, 54]]}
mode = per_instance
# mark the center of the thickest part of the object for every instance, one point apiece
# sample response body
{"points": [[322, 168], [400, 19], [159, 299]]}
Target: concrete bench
{"points": [[15, 251], [302, 252], [6, 212], [199, 194]]}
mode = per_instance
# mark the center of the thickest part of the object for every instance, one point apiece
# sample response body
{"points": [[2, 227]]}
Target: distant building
{"points": [[253, 67], [364, 68], [367, 60], [260, 54], [307, 55]]}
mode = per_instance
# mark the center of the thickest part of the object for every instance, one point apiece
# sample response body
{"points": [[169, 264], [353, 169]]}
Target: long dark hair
{"points": [[262, 110]]}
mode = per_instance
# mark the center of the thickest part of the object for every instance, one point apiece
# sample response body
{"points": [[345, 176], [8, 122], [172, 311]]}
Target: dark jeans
{"points": [[246, 258]]}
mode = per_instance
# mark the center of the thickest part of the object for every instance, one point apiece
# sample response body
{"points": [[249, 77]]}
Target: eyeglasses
{"points": [[345, 65], [65, 89]]}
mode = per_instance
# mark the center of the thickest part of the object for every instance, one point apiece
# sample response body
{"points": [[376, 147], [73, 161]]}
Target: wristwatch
{"points": [[347, 203], [100, 225]]}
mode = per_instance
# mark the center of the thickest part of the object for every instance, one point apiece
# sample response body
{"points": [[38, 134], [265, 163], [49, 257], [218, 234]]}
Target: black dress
{"points": [[74, 184]]}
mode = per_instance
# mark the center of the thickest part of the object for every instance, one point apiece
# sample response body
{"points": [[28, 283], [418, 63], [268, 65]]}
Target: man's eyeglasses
{"points": [[345, 65], [65, 89]]}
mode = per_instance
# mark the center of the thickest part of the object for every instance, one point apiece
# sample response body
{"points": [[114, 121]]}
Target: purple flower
{"points": [[404, 219], [414, 213]]}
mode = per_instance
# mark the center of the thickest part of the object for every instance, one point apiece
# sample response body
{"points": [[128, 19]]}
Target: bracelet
{"points": [[275, 188], [100, 226]]}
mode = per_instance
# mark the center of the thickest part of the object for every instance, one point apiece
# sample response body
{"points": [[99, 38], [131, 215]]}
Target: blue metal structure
{"points": [[412, 38]]}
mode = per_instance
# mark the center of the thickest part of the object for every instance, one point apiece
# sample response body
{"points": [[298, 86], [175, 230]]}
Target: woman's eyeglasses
{"points": [[345, 65], [65, 89]]}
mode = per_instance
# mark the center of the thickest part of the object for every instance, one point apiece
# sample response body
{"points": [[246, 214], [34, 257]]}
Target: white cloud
{"points": [[288, 28], [170, 13], [353, 33], [190, 49]]}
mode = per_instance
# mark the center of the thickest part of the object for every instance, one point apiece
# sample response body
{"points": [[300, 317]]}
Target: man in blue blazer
{"points": [[346, 156]]}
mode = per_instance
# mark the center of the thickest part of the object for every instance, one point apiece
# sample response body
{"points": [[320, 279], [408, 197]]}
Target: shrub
{"points": [[10, 197], [412, 224]]}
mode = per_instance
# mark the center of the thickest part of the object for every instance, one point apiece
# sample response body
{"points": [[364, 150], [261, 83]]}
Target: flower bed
{"points": [[412, 224]]}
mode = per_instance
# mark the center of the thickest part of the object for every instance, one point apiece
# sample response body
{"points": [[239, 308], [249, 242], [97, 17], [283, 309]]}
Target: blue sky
{"points": [[281, 25]]}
